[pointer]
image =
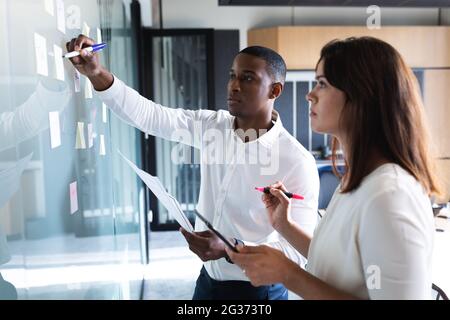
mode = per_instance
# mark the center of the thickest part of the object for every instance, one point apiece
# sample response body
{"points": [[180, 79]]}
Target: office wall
{"points": [[69, 206], [208, 14], [437, 105]]}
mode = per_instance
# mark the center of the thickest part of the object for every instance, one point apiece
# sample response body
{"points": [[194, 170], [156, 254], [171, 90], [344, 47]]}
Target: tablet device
{"points": [[217, 233]]}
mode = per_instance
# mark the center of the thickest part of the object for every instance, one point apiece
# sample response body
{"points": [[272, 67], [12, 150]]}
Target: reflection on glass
{"points": [[57, 241]]}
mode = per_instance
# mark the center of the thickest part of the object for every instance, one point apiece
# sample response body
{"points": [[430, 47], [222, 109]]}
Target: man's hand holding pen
{"points": [[88, 64]]}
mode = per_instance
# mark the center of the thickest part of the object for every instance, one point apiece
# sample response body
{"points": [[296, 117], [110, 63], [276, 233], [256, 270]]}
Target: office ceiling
{"points": [[339, 3]]}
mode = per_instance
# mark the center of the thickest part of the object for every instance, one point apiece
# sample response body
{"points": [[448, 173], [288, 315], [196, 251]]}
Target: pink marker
{"points": [[288, 194]]}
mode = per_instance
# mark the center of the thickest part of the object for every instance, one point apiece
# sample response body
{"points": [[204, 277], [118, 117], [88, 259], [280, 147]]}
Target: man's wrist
{"points": [[102, 79], [235, 243]]}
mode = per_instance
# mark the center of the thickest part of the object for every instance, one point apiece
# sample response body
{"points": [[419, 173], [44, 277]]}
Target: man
{"points": [[227, 196]]}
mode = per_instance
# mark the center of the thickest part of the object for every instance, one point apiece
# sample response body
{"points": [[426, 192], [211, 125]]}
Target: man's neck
{"points": [[262, 122], [257, 123]]}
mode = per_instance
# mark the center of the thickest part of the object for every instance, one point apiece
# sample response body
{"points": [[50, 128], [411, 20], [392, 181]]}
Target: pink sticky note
{"points": [[94, 114], [90, 135], [73, 198]]}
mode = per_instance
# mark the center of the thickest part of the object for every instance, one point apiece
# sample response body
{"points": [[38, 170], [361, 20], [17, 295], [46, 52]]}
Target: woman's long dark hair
{"points": [[384, 110]]}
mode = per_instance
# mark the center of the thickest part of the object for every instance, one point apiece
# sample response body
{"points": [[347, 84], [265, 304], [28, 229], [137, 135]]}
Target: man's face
{"points": [[249, 86]]}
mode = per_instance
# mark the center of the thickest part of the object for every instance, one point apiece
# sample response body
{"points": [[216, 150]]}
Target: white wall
{"points": [[208, 14]]}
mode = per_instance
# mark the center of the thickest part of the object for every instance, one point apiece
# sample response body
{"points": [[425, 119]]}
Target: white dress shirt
{"points": [[227, 195], [376, 242], [31, 117]]}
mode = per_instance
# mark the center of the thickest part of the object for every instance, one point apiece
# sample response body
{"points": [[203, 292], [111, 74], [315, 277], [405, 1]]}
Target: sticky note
{"points": [[104, 113], [102, 145], [60, 16], [80, 143], [73, 197], [99, 35], [49, 7], [40, 48], [86, 30], [76, 80], [59, 66], [55, 131], [88, 89], [90, 135], [73, 14]]}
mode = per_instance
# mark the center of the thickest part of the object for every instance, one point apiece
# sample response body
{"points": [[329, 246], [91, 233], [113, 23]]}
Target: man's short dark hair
{"points": [[276, 67]]}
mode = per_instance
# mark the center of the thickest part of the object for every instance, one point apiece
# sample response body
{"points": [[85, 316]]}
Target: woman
{"points": [[376, 239]]}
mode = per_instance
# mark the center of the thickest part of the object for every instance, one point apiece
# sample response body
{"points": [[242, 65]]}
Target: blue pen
{"points": [[93, 48]]}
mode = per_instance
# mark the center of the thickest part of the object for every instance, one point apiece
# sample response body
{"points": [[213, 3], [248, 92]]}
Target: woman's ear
{"points": [[277, 88]]}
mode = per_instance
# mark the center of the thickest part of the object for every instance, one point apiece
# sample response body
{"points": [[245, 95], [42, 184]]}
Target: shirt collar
{"points": [[267, 139]]}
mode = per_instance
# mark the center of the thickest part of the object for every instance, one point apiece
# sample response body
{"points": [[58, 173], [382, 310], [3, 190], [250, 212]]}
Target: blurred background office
{"points": [[75, 221]]}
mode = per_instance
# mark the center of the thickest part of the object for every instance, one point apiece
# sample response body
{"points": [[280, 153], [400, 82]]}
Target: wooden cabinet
{"points": [[421, 46]]}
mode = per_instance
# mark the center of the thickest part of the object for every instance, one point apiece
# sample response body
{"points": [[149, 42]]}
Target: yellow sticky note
{"points": [[86, 30], [49, 7], [80, 143], [99, 35], [88, 89]]}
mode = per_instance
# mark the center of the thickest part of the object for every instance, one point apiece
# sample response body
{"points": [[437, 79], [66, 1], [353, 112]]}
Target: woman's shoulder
{"points": [[391, 190], [389, 177]]}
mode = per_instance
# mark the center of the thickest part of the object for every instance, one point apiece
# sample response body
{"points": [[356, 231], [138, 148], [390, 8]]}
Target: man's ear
{"points": [[277, 88]]}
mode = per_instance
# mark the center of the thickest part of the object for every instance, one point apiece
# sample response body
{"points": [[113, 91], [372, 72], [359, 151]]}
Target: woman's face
{"points": [[326, 103]]}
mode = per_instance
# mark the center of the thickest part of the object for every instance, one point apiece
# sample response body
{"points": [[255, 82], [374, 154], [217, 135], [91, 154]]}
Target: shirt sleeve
{"points": [[395, 241], [31, 117], [178, 125], [303, 180]]}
